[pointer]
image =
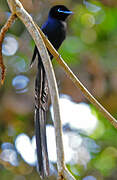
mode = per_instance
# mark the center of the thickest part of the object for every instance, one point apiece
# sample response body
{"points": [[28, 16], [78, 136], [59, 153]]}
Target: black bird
{"points": [[55, 30]]}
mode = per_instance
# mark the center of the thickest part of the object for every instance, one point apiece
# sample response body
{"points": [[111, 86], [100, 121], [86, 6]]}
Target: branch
{"points": [[17, 8], [76, 81], [2, 34]]}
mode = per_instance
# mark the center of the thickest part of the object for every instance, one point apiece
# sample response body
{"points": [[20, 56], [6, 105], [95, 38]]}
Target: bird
{"points": [[54, 29]]}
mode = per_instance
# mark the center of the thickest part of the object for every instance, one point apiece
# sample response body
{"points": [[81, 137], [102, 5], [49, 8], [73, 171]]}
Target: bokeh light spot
{"points": [[18, 64], [89, 178], [88, 20], [10, 46], [91, 7], [24, 147], [20, 83], [7, 145], [9, 155], [78, 116]]}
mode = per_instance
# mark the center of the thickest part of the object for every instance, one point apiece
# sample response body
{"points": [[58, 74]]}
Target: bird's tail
{"points": [[41, 96]]}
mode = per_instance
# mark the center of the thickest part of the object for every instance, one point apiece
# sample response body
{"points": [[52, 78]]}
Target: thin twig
{"points": [[2, 35], [16, 7], [76, 81]]}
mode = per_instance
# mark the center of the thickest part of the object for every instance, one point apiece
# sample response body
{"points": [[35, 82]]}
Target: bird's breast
{"points": [[56, 32]]}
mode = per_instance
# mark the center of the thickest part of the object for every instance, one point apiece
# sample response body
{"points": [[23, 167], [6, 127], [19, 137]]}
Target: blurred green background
{"points": [[90, 50]]}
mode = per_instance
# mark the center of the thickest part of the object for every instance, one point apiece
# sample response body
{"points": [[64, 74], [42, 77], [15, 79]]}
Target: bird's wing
{"points": [[36, 52], [47, 30]]}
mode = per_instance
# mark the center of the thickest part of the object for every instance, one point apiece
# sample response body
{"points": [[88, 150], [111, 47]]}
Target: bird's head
{"points": [[60, 12]]}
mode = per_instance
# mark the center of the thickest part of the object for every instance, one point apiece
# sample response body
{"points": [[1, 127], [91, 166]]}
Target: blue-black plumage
{"points": [[55, 29]]}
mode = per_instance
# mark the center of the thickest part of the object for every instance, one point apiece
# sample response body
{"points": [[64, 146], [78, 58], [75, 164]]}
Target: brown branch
{"points": [[2, 35], [27, 20], [16, 7], [68, 71], [76, 81]]}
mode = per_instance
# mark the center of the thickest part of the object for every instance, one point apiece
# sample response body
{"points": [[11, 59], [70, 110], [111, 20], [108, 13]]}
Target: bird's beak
{"points": [[68, 12], [65, 12]]}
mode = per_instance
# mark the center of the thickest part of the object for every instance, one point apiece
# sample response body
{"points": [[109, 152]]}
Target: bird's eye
{"points": [[59, 10]]}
